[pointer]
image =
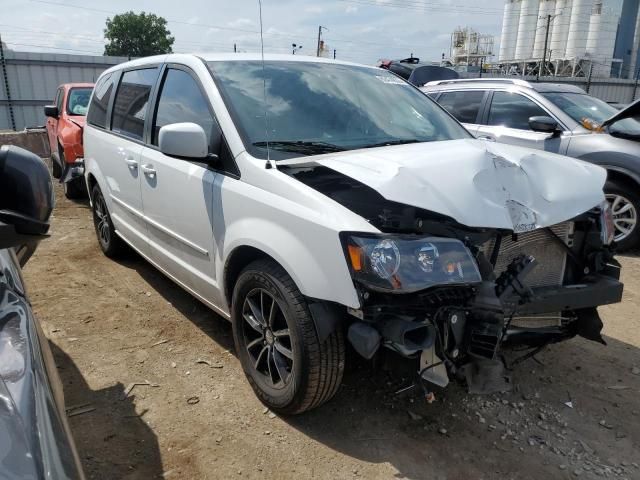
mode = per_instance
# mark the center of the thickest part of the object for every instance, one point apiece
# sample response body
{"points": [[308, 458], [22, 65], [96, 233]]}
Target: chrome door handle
{"points": [[149, 170], [131, 163]]}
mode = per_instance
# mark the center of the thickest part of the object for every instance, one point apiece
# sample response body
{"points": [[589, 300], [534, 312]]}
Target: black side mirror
{"points": [[51, 111], [544, 124], [26, 191]]}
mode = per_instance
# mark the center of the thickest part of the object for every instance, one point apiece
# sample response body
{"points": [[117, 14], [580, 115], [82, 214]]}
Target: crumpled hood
{"points": [[477, 183]]}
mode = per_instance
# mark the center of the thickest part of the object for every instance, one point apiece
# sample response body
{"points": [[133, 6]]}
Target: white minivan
{"points": [[319, 204]]}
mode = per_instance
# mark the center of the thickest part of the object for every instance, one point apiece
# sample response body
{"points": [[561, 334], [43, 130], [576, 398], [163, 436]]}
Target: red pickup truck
{"points": [[65, 122]]}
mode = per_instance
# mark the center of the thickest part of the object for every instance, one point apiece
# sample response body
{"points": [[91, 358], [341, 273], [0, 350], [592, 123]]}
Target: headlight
{"points": [[607, 227], [406, 263]]}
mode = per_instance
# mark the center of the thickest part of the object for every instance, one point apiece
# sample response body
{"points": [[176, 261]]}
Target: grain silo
{"points": [[601, 40], [510, 21], [547, 7], [560, 29], [578, 29], [527, 29]]}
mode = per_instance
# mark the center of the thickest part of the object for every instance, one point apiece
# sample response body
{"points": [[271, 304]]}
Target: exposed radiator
{"points": [[551, 259]]}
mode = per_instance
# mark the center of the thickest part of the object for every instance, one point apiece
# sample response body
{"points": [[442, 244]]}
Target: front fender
{"points": [[311, 254]]}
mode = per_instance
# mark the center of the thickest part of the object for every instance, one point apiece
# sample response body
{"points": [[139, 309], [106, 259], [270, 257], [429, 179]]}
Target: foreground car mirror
{"points": [[51, 111], [544, 124], [185, 140], [26, 200]]}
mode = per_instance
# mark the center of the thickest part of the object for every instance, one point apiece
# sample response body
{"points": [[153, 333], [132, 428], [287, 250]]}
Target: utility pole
{"points": [[546, 44], [334, 53], [320, 27], [235, 48]]}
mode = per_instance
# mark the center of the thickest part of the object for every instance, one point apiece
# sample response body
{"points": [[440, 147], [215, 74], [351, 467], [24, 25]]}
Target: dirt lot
{"points": [[115, 323]]}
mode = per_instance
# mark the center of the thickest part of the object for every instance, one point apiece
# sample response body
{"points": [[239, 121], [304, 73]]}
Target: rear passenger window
{"points": [[513, 110], [181, 100], [132, 98], [462, 105], [100, 101]]}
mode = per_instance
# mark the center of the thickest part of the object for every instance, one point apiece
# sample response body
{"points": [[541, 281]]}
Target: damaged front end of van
{"points": [[482, 247]]}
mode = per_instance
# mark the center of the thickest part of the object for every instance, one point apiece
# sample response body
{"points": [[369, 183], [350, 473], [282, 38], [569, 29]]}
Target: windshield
{"points": [[78, 101], [315, 108], [583, 107]]}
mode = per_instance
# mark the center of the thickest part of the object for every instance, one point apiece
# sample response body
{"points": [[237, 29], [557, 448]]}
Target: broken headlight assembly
{"points": [[607, 227], [406, 263]]}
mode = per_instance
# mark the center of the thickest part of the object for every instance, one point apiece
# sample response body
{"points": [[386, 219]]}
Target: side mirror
{"points": [[544, 124], [26, 192], [184, 140], [51, 111]]}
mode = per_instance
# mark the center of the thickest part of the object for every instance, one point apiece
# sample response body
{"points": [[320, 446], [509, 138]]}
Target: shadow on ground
{"points": [[133, 452]]}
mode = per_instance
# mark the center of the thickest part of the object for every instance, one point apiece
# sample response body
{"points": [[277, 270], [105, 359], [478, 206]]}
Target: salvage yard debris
{"points": [[131, 386]]}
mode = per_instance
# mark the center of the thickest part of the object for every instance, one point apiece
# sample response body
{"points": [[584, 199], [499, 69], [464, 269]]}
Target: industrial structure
{"points": [[470, 48], [569, 38]]}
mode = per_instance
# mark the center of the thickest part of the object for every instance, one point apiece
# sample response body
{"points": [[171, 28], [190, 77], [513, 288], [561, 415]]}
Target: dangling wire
{"points": [[269, 163]]}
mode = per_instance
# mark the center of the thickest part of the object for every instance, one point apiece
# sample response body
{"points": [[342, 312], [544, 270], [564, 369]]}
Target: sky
{"points": [[359, 30]]}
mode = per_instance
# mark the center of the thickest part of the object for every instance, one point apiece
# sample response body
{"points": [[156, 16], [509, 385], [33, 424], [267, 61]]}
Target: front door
{"points": [[177, 194], [508, 122]]}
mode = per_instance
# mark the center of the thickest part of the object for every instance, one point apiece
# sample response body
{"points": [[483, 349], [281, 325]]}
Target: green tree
{"points": [[137, 35]]}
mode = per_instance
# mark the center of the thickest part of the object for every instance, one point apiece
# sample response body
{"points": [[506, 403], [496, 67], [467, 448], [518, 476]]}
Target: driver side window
{"points": [[513, 110]]}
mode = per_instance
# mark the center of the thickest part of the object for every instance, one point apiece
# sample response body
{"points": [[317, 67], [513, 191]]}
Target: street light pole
{"points": [[546, 44], [320, 27]]}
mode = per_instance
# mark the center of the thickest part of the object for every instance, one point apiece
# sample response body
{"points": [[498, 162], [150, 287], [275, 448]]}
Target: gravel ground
{"points": [[154, 390]]}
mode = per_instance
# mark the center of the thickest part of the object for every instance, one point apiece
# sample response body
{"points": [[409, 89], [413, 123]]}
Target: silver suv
{"points": [[557, 118]]}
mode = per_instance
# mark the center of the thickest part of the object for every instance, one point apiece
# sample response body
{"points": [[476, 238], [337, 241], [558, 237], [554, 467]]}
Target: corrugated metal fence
{"points": [[32, 80]]}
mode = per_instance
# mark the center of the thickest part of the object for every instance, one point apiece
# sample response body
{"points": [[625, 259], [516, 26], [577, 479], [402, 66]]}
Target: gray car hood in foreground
{"points": [[478, 183]]}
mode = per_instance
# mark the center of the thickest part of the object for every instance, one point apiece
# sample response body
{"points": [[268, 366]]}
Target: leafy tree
{"points": [[137, 35]]}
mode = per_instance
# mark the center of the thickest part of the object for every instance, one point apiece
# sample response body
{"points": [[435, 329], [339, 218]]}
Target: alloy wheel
{"points": [[624, 214], [267, 337], [102, 218]]}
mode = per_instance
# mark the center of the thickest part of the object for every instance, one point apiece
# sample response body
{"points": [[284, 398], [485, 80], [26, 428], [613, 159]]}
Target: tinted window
{"points": [[132, 98], [462, 105], [313, 108], [513, 110], [181, 100], [78, 101], [100, 101]]}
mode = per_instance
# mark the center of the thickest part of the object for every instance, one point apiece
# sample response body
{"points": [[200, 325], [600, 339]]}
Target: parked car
{"points": [[65, 121], [557, 118], [35, 441], [303, 198]]}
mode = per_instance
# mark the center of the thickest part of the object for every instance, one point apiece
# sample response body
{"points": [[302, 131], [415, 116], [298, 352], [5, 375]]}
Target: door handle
{"points": [[486, 138], [131, 163], [149, 170]]}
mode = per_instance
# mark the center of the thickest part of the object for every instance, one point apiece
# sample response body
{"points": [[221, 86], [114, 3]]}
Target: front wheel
{"points": [[625, 208], [276, 340], [75, 189]]}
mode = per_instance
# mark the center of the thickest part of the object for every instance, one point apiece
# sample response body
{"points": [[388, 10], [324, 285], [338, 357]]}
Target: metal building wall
{"points": [[34, 77]]}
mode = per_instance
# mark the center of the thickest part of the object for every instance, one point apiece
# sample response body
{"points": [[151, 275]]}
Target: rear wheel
{"points": [[625, 207], [110, 243], [288, 367]]}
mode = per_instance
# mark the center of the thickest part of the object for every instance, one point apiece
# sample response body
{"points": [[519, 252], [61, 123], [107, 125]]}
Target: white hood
{"points": [[477, 183]]}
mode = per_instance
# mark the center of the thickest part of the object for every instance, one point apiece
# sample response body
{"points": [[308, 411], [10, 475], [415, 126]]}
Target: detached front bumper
{"points": [[72, 171]]}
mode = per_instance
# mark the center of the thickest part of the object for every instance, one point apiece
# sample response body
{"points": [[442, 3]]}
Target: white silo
{"points": [[560, 30], [578, 29], [601, 40], [510, 21], [527, 29], [547, 7]]}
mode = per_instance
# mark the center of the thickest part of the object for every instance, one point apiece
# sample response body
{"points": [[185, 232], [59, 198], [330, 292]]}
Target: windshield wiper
{"points": [[402, 141], [300, 146]]}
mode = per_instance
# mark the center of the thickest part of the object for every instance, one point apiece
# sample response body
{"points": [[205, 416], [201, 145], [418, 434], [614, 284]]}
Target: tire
{"points": [[56, 169], [625, 204], [312, 373], [110, 243], [75, 189]]}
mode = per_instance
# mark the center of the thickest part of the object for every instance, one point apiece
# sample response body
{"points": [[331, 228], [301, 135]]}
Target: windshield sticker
{"points": [[391, 80]]}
